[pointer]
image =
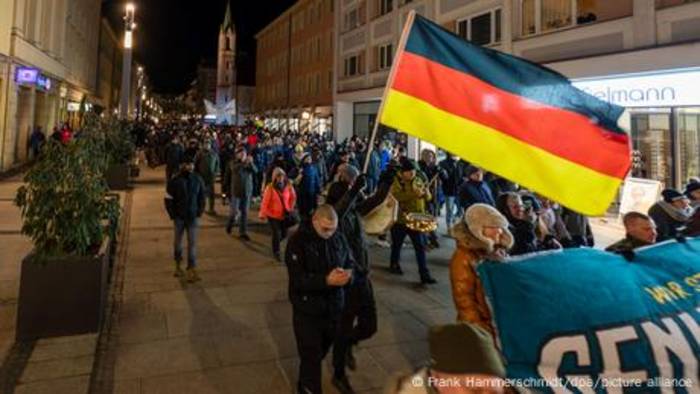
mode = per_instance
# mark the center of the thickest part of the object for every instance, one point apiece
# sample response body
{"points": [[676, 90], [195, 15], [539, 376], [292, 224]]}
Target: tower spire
{"points": [[228, 20]]}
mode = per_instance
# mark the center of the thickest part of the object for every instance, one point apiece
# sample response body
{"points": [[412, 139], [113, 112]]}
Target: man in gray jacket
{"points": [[238, 182]]}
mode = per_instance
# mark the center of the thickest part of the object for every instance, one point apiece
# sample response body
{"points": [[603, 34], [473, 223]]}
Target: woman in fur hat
{"points": [[481, 235]]}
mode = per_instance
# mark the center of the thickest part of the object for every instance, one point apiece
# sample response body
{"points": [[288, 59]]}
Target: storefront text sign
{"points": [[662, 89], [27, 75]]}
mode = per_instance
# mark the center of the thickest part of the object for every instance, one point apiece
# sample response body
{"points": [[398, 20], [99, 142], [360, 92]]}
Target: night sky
{"points": [[172, 36]]}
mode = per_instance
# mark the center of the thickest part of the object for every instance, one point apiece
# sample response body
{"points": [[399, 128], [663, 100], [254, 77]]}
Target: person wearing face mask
{"points": [[670, 214], [319, 264], [185, 202], [481, 235], [278, 199]]}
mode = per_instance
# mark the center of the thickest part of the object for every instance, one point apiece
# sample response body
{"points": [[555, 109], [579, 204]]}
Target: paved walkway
{"points": [[230, 333]]}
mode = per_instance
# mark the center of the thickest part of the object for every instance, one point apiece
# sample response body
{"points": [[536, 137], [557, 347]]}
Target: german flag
{"points": [[507, 115]]}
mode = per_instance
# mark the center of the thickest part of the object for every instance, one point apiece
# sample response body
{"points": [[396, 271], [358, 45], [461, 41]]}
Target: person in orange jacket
{"points": [[481, 235], [279, 199]]}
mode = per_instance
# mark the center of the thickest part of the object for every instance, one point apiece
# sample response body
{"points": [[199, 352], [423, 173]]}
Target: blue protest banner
{"points": [[587, 321]]}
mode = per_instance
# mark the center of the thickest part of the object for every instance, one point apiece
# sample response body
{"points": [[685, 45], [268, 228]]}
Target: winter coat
{"points": [[310, 181], [409, 200], [669, 220], [471, 193], [626, 244], [188, 194], [385, 159], [578, 227], [375, 165], [238, 179], [350, 206], [309, 259], [173, 156], [452, 172], [208, 167], [467, 290], [271, 206]]}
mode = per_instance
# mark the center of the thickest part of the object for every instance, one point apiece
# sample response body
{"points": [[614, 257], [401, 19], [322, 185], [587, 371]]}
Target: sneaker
{"points": [[179, 273], [244, 237], [343, 385], [192, 275], [428, 280]]}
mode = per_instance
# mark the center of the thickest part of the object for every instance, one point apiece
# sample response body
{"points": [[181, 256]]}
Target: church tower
{"points": [[226, 66]]}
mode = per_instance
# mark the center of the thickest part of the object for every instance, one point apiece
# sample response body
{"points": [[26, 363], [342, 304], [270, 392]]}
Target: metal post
{"points": [[126, 66]]}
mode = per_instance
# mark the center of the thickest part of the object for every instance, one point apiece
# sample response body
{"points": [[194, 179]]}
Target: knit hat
{"points": [[671, 195], [691, 187], [479, 216], [462, 348], [406, 164]]}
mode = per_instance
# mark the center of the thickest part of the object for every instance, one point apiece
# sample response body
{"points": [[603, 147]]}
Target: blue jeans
{"points": [[398, 235], [454, 211], [239, 210], [191, 228]]}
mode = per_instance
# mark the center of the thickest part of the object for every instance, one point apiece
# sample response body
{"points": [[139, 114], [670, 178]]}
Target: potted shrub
{"points": [[70, 219], [120, 152]]}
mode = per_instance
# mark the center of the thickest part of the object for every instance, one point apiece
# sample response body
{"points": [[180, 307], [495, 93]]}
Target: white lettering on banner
{"points": [[660, 339], [671, 340], [609, 341], [663, 89]]}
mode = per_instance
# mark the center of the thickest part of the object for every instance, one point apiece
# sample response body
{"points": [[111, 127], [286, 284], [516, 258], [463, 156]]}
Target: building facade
{"points": [[641, 54], [294, 69], [50, 67], [207, 78], [109, 69]]}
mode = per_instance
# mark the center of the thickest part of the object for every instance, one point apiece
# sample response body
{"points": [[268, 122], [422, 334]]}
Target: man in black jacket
{"points": [[187, 197], [452, 174], [346, 196], [320, 264]]}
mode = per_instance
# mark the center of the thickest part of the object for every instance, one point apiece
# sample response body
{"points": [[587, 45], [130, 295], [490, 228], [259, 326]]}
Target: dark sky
{"points": [[173, 35]]}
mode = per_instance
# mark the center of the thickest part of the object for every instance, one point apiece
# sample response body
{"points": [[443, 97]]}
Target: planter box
{"points": [[117, 176], [62, 296]]}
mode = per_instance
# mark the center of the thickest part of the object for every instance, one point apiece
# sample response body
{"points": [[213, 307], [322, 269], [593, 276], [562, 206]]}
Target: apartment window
{"points": [[539, 16], [351, 66], [352, 19], [385, 56], [482, 29], [385, 6]]}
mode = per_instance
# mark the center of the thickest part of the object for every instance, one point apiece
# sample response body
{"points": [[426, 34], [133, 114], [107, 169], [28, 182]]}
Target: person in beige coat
{"points": [[481, 235]]}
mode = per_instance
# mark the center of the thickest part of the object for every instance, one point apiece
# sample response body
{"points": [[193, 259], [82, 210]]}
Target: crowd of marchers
{"points": [[313, 193]]}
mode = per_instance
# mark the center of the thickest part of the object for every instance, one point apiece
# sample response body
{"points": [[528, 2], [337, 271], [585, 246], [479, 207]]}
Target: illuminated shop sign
{"points": [[26, 75], [43, 82], [661, 89]]}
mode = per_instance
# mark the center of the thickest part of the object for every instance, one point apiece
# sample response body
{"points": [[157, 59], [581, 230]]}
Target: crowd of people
{"points": [[314, 193]]}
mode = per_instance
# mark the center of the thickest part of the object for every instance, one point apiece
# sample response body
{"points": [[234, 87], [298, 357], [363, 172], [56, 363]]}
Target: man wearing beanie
{"points": [[670, 214], [478, 367], [692, 191], [474, 190]]}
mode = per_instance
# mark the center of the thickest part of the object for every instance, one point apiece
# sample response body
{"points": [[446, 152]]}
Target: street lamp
{"points": [[129, 26]]}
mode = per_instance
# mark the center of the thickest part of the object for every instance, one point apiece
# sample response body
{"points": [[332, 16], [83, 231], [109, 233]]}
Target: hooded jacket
{"points": [[187, 192], [309, 260]]}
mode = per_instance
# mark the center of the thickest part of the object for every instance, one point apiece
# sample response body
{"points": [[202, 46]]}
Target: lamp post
{"points": [[129, 26]]}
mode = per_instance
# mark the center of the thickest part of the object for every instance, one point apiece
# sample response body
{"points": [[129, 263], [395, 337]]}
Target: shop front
{"points": [[663, 117]]}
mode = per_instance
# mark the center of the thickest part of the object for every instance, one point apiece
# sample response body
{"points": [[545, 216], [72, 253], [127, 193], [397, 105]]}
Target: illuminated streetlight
{"points": [[129, 26]]}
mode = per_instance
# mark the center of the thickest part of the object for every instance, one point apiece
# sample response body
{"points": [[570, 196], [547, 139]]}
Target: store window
{"points": [[652, 143], [540, 16], [688, 131], [385, 6], [364, 116], [482, 29]]}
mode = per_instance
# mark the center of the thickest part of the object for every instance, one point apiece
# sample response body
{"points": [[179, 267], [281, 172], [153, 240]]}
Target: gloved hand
{"points": [[360, 183]]}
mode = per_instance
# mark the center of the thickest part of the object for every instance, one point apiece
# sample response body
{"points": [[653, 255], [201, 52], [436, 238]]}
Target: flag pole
{"points": [[389, 83]]}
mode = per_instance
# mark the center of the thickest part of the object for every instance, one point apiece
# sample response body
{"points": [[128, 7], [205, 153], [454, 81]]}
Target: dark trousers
{"points": [[314, 336], [360, 307], [398, 235], [279, 232]]}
